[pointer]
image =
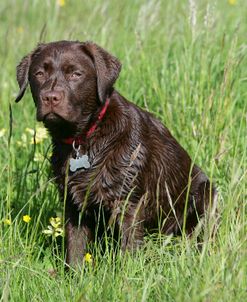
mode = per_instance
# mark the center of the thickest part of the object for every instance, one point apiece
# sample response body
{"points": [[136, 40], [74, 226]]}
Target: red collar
{"points": [[79, 139]]}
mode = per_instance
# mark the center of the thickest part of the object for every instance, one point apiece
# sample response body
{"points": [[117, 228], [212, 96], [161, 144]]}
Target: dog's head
{"points": [[68, 80]]}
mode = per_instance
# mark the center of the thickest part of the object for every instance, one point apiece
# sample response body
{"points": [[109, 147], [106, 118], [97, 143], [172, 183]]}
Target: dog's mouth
{"points": [[58, 126], [52, 117]]}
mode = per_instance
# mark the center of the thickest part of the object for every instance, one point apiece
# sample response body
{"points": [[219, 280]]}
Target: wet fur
{"points": [[133, 156]]}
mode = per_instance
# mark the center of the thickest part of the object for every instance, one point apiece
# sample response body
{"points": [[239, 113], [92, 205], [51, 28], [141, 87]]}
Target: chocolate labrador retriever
{"points": [[115, 163]]}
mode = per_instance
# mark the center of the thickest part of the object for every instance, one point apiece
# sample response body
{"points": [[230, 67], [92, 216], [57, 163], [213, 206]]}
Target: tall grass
{"points": [[185, 61]]}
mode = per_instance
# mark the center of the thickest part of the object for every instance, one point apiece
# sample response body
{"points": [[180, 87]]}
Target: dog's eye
{"points": [[75, 75], [39, 74]]}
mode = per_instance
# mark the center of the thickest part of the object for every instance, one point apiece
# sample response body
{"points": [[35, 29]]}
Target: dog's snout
{"points": [[52, 97]]}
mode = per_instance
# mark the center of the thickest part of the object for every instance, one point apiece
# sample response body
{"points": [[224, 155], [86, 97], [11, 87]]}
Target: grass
{"points": [[192, 75]]}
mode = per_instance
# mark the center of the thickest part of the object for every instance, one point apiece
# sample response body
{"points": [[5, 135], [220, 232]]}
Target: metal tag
{"points": [[78, 162]]}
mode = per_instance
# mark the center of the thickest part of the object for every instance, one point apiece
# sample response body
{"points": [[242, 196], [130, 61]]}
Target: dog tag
{"points": [[78, 162]]}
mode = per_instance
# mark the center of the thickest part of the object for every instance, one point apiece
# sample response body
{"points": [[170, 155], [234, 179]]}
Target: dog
{"points": [[115, 163]]}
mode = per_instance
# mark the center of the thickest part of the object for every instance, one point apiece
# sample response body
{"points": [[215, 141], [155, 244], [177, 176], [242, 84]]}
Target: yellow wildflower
{"points": [[55, 222], [30, 131], [26, 218], [20, 29], [40, 134], [2, 132], [50, 231], [61, 2], [232, 2], [23, 141], [55, 228], [88, 258], [7, 221], [38, 157]]}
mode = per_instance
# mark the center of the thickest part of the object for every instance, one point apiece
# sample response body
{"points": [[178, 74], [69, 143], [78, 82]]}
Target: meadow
{"points": [[184, 61]]}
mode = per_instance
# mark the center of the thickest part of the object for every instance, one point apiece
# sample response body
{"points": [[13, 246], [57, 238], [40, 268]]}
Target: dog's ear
{"points": [[107, 68], [22, 70], [22, 75]]}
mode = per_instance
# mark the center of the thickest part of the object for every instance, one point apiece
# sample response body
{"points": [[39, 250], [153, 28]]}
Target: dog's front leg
{"points": [[78, 235]]}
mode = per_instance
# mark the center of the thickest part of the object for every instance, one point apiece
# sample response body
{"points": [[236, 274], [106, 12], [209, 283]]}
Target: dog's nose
{"points": [[51, 97]]}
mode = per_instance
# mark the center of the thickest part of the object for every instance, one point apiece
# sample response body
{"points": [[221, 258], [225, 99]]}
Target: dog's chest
{"points": [[98, 175]]}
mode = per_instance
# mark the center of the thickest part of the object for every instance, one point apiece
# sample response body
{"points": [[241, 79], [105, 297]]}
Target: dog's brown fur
{"points": [[133, 156]]}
